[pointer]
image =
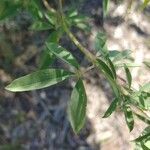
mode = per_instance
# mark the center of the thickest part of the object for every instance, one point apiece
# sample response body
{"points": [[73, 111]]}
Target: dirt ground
{"points": [[37, 120]]}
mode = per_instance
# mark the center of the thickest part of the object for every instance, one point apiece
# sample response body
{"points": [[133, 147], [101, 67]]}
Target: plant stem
{"points": [[48, 7], [92, 58], [89, 55]]}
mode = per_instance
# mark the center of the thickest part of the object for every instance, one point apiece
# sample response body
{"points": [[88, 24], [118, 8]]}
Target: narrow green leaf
{"points": [[38, 80], [129, 117], [111, 108], [105, 6], [83, 26], [100, 44], [112, 68], [77, 107], [146, 120], [72, 12], [39, 26], [115, 55], [108, 74], [52, 17], [128, 75], [46, 59], [63, 54], [143, 137], [105, 68], [100, 40]]}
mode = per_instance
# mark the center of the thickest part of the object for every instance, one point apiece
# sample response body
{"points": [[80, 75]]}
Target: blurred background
{"points": [[37, 120]]}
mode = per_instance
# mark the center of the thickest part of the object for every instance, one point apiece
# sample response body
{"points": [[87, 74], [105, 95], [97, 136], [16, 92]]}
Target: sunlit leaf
{"points": [[115, 55], [105, 6], [63, 54], [111, 108], [112, 68], [129, 117], [108, 74], [39, 79], [51, 16], [144, 119], [105, 68], [100, 44], [72, 12], [128, 75], [143, 137], [77, 107]]}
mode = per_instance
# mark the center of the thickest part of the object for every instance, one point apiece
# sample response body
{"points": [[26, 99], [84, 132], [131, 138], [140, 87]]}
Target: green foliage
{"points": [[77, 107], [116, 56], [105, 6], [102, 66], [128, 75], [63, 54], [8, 8], [111, 108], [144, 139], [128, 117], [100, 44], [39, 79], [59, 22]]}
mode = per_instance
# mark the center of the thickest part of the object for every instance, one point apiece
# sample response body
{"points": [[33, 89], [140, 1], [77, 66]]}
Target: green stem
{"points": [[92, 58], [89, 55]]}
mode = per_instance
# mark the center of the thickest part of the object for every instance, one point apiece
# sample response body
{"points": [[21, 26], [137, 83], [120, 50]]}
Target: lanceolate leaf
{"points": [[39, 79], [144, 119], [108, 74], [47, 57], [105, 68], [129, 117], [112, 68], [105, 6], [111, 108], [100, 44], [77, 107], [63, 54], [143, 137], [128, 75]]}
